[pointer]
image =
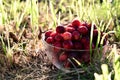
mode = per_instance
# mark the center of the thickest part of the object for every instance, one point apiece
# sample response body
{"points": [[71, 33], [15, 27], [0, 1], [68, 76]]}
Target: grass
{"points": [[114, 74], [23, 19]]}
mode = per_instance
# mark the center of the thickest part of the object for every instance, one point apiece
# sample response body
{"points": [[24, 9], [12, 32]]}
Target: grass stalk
{"points": [[52, 9], [91, 40]]}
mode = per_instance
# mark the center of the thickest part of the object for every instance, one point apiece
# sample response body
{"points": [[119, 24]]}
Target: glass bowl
{"points": [[74, 57]]}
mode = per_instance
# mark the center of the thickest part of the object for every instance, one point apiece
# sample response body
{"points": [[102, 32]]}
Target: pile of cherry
{"points": [[73, 37]]}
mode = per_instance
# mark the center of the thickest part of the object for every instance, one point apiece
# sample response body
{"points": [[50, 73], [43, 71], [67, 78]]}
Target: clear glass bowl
{"points": [[54, 53]]}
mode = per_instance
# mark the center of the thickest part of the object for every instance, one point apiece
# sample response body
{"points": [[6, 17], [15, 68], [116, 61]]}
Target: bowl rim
{"points": [[43, 40]]}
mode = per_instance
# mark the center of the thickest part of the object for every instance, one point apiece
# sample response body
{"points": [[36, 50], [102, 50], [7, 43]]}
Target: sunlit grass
{"points": [[34, 12], [3, 13]]}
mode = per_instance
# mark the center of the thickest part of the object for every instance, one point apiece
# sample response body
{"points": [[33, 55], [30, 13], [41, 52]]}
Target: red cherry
{"points": [[57, 44], [76, 35], [70, 29], [89, 26], [60, 29], [63, 57], [67, 36], [57, 47], [67, 64], [76, 23], [49, 40], [77, 45], [84, 24], [47, 33], [67, 44], [105, 42], [95, 33], [58, 37], [83, 30], [53, 34], [84, 39]]}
